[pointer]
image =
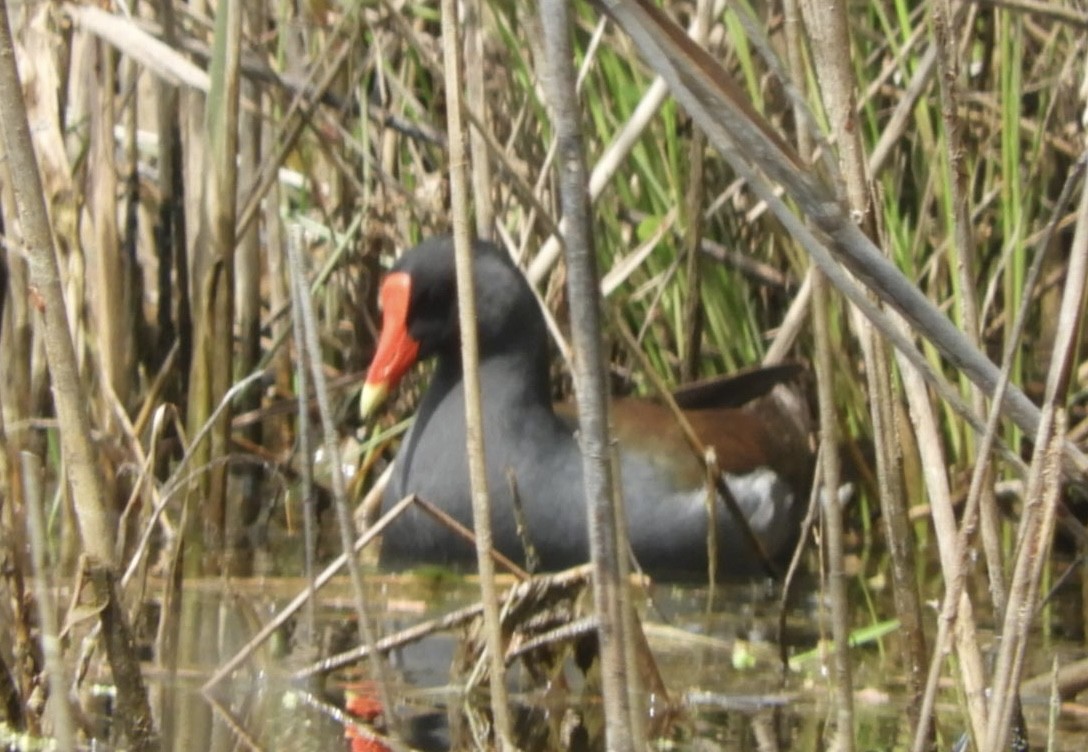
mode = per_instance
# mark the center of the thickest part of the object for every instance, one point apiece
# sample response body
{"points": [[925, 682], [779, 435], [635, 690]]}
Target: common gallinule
{"points": [[767, 465]]}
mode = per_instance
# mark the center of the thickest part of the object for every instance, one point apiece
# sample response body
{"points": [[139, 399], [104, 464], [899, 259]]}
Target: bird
{"points": [[531, 446]]}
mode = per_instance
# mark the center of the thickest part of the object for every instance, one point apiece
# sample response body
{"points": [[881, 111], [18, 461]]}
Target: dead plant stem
{"points": [[609, 590], [80, 458], [310, 351], [474, 417]]}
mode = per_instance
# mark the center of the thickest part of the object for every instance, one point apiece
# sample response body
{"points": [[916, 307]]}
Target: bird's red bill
{"points": [[397, 349]]}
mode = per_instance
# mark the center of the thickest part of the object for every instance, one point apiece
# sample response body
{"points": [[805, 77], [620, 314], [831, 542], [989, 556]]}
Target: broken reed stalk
{"points": [[948, 534], [211, 370], [829, 35], [831, 513], [802, 309], [962, 249], [962, 258], [112, 292], [310, 355], [591, 386], [476, 95], [1034, 537], [474, 421], [693, 222], [304, 434], [930, 447]]}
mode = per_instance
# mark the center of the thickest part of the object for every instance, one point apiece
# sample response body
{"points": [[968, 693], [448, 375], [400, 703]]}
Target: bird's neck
{"points": [[510, 377]]}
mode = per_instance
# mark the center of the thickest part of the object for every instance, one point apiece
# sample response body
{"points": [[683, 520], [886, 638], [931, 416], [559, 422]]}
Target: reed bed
{"points": [[221, 188]]}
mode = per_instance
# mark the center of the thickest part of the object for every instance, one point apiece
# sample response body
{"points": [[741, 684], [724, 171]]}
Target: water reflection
{"points": [[720, 665]]}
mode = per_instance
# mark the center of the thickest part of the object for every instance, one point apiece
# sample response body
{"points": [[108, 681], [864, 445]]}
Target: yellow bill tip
{"points": [[372, 397]]}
